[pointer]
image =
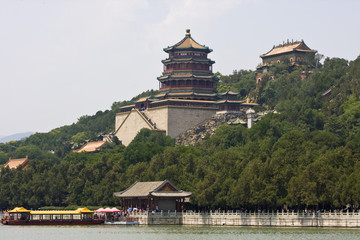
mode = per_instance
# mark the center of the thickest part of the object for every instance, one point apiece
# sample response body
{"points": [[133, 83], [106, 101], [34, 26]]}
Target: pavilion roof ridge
{"points": [[187, 43], [288, 47]]}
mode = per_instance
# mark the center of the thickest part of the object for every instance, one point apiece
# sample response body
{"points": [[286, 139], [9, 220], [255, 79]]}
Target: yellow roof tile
{"points": [[91, 147], [288, 47], [188, 42], [14, 163]]}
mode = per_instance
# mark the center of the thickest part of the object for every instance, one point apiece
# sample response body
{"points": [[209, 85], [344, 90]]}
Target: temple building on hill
{"points": [[94, 147], [15, 163], [187, 95], [294, 53]]}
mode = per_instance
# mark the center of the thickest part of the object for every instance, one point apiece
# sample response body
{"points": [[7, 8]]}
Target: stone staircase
{"points": [[148, 119]]}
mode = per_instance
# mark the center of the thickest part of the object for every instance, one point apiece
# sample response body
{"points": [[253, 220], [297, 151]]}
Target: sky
{"points": [[63, 59]]}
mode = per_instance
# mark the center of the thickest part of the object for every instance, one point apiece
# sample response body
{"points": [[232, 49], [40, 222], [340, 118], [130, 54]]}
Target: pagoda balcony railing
{"points": [[193, 70], [188, 87], [184, 104]]}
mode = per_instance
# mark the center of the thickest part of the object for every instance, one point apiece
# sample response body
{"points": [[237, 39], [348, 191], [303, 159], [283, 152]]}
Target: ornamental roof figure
{"points": [[188, 43]]}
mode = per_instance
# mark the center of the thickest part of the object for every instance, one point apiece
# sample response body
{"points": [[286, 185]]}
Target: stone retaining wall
{"points": [[274, 219]]}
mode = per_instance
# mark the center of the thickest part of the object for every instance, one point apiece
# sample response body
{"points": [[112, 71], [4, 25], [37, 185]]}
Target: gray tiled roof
{"points": [[145, 189]]}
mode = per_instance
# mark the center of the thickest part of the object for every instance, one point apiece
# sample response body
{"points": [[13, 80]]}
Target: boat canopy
{"points": [[19, 210], [51, 212], [107, 210]]}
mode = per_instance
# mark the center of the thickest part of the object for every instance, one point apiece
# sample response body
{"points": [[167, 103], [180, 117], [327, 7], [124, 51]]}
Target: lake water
{"points": [[172, 232]]}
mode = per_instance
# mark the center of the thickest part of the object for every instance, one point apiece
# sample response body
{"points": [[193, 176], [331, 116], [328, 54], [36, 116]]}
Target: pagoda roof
{"points": [[161, 95], [228, 92], [250, 104], [185, 75], [237, 121], [230, 101], [127, 106], [91, 147], [186, 93], [297, 46], [14, 163], [188, 43], [188, 60], [144, 99], [184, 100]]}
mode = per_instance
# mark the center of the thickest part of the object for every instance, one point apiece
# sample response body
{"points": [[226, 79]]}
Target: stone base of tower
{"points": [[173, 120]]}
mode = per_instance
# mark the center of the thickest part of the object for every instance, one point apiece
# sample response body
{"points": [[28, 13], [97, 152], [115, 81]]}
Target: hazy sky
{"points": [[62, 59]]}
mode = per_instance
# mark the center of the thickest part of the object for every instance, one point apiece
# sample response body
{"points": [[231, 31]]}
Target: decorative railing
{"points": [[250, 213]]}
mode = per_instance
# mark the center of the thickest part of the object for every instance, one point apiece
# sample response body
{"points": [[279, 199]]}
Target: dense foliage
{"points": [[304, 154]]}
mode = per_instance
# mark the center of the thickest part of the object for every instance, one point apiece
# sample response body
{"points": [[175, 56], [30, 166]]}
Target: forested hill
{"points": [[63, 139], [305, 155]]}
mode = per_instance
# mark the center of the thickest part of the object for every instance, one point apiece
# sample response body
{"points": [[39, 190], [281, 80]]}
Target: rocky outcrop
{"points": [[208, 127]]}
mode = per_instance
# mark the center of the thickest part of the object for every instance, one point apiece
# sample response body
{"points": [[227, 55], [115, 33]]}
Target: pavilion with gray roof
{"points": [[162, 195]]}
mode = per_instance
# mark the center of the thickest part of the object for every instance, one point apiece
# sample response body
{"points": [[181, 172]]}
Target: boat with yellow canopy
{"points": [[22, 216]]}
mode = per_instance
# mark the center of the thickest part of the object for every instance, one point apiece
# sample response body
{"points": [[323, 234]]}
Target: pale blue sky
{"points": [[61, 59]]}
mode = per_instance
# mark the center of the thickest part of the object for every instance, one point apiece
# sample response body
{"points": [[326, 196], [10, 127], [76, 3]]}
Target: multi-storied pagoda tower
{"points": [[187, 95], [188, 69]]}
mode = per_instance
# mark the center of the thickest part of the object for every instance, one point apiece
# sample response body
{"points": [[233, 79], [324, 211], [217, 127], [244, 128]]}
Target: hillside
{"points": [[304, 155], [15, 137]]}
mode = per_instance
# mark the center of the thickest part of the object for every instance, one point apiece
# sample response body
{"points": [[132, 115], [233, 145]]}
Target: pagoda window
{"points": [[188, 83], [210, 68]]}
